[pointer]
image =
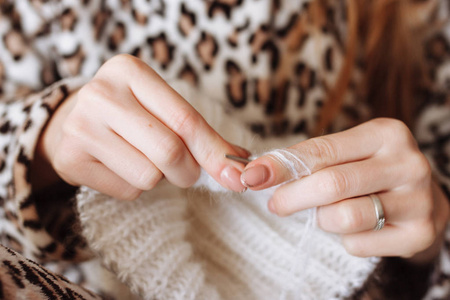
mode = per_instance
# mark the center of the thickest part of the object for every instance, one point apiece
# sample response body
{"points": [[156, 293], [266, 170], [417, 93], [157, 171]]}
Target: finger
{"points": [[158, 144], [355, 144], [334, 184], [350, 216], [125, 161], [206, 146], [358, 214], [241, 152], [391, 240], [346, 181], [76, 165], [98, 177]]}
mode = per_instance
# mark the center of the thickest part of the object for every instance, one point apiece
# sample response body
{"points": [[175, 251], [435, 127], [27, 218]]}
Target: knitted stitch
{"points": [[209, 243]]}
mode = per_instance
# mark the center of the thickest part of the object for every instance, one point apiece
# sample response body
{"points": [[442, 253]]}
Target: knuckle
{"points": [[124, 62], [323, 147], [93, 97], [350, 218], [121, 58], [391, 124], [396, 130], [421, 166], [186, 121], [173, 150], [335, 184], [423, 235], [100, 95], [94, 89], [194, 175], [281, 202], [148, 178]]}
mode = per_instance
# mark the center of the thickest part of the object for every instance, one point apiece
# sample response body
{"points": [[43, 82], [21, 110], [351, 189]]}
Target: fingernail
{"points": [[255, 176], [230, 176], [271, 207]]}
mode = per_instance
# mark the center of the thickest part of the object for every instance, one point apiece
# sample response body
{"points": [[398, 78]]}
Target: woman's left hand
{"points": [[378, 157]]}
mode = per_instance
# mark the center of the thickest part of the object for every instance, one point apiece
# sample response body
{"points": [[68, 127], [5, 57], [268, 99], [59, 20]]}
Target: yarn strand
{"points": [[290, 160]]}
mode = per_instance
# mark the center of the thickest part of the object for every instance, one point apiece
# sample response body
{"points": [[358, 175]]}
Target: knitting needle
{"points": [[238, 159]]}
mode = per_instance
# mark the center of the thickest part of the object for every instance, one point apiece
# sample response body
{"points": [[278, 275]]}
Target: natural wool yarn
{"points": [[209, 243]]}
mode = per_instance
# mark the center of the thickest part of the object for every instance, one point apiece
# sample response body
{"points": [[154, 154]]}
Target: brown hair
{"points": [[386, 41]]}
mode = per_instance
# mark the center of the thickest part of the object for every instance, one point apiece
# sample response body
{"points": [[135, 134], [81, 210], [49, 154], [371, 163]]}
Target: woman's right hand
{"points": [[126, 129]]}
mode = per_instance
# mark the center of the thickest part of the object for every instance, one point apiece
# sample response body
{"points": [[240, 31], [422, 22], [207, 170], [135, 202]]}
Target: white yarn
{"points": [[210, 243], [290, 160], [302, 252]]}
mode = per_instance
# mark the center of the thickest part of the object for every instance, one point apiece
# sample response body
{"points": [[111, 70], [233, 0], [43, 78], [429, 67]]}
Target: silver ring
{"points": [[379, 212]]}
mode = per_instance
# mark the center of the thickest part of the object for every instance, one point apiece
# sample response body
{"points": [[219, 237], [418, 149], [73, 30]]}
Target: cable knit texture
{"points": [[208, 243]]}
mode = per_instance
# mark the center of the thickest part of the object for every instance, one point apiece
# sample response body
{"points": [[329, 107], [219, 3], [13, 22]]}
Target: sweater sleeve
{"points": [[22, 278], [30, 90], [26, 221]]}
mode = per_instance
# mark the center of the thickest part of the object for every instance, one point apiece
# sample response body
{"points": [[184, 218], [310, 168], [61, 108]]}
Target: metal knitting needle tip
{"points": [[238, 158]]}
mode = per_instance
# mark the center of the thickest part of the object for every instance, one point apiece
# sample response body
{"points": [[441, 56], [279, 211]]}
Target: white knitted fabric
{"points": [[209, 243]]}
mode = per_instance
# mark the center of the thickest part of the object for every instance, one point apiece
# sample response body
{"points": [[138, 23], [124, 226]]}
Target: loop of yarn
{"points": [[290, 160]]}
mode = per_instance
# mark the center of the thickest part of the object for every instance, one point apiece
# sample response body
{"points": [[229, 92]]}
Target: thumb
{"points": [[274, 167]]}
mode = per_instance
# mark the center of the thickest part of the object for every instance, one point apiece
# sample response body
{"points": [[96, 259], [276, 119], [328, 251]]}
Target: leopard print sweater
{"points": [[268, 62]]}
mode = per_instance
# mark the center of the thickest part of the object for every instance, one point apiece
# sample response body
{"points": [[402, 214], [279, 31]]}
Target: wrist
{"points": [[42, 172]]}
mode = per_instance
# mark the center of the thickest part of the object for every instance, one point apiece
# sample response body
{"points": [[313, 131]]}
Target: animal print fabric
{"points": [[25, 279], [270, 63]]}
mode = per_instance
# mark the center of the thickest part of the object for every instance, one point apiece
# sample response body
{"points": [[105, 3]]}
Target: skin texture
{"points": [[380, 156], [122, 136]]}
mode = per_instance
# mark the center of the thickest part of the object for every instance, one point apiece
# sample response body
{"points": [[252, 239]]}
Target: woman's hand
{"points": [[127, 129], [378, 157]]}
